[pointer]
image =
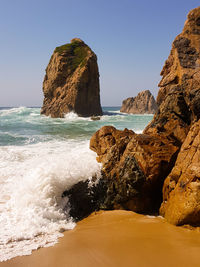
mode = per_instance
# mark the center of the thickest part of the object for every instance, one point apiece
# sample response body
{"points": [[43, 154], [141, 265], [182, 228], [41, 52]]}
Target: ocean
{"points": [[40, 157]]}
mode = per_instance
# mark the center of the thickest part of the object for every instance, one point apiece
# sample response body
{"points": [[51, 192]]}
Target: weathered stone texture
{"points": [[71, 82], [181, 191]]}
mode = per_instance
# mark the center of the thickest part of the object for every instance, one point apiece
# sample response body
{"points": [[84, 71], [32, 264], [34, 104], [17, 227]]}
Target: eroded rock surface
{"points": [[181, 191], [179, 110], [179, 94], [182, 67], [134, 167], [143, 103], [71, 82]]}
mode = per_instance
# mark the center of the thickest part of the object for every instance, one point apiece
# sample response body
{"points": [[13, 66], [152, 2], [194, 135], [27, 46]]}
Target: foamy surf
{"points": [[32, 180], [40, 157]]}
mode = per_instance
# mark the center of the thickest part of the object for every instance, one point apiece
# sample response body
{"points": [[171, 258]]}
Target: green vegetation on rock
{"points": [[76, 51]]}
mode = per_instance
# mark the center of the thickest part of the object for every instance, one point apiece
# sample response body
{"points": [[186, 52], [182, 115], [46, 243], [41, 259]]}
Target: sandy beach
{"points": [[118, 238]]}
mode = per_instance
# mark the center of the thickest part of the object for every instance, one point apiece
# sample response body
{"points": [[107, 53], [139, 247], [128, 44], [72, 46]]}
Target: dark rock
{"points": [[95, 118], [187, 55], [85, 198]]}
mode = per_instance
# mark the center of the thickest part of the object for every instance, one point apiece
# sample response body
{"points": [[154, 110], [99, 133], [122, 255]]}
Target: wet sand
{"points": [[116, 239]]}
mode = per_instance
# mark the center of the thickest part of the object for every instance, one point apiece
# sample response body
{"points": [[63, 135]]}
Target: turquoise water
{"points": [[40, 158], [22, 126]]}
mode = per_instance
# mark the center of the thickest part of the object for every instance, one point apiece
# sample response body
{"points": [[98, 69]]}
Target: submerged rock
{"points": [[71, 82], [95, 118], [143, 103]]}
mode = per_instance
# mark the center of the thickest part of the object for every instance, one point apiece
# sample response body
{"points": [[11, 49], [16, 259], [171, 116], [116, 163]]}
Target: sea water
{"points": [[40, 157]]}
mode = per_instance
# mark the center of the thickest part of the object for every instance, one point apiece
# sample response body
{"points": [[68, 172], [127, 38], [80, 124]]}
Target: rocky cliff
{"points": [[181, 77], [143, 103], [71, 82], [179, 93]]}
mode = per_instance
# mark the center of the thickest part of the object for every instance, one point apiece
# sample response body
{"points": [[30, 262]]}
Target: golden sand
{"points": [[116, 239]]}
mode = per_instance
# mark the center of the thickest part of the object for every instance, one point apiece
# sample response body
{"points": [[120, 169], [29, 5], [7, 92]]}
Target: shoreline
{"points": [[118, 238]]}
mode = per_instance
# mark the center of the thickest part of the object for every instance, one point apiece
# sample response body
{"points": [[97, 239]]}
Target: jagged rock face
{"points": [[179, 94], [183, 65], [179, 98], [134, 167], [71, 82], [181, 191], [143, 103]]}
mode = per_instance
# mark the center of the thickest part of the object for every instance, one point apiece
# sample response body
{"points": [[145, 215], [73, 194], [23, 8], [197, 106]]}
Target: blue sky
{"points": [[132, 39]]}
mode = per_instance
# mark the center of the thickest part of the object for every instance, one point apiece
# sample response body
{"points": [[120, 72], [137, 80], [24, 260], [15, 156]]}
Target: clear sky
{"points": [[132, 39]]}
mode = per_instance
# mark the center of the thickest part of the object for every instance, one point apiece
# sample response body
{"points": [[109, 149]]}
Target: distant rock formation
{"points": [[71, 82], [143, 103]]}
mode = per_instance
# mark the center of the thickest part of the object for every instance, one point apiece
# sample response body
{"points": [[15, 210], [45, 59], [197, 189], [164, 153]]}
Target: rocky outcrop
{"points": [[71, 82], [181, 191], [85, 197], [143, 103], [134, 167]]}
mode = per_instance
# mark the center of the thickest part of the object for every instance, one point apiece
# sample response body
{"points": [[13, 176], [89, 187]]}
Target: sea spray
{"points": [[40, 157], [33, 179]]}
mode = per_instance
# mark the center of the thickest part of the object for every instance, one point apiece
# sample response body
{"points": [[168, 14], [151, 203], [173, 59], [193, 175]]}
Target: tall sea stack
{"points": [[71, 82]]}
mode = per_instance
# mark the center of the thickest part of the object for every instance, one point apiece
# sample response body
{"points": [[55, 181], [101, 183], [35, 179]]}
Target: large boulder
{"points": [[71, 82], [143, 103], [134, 167]]}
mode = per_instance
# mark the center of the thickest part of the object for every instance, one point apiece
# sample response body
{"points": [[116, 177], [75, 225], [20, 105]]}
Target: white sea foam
{"points": [[5, 112], [72, 116], [40, 157], [32, 180], [138, 131]]}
